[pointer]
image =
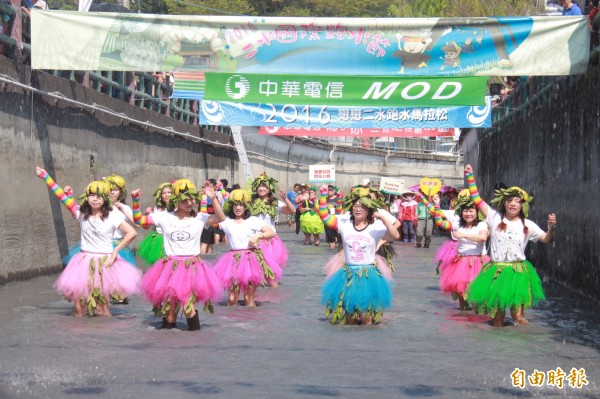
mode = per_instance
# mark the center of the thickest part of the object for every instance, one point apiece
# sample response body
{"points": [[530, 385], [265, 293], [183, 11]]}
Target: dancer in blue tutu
{"points": [[360, 287]]}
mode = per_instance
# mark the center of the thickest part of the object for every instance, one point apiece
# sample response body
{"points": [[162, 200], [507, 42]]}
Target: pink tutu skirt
{"points": [[337, 261], [456, 276], [175, 278], [446, 253], [275, 249], [243, 267], [84, 274]]}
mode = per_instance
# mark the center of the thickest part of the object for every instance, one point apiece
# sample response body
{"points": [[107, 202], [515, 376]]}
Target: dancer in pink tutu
{"points": [[246, 266], [471, 235], [97, 272], [265, 206], [181, 279]]}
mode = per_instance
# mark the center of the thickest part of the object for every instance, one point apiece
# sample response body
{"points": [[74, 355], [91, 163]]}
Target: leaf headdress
{"points": [[238, 196], [368, 197], [158, 195], [258, 206], [96, 187], [267, 181], [183, 190], [116, 181], [502, 194]]}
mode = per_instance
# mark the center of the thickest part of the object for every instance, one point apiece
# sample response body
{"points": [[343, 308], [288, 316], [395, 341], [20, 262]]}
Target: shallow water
{"points": [[284, 348]]}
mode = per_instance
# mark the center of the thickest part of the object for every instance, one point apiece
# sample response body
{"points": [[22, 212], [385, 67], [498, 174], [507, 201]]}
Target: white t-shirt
{"points": [[359, 246], [154, 212], [385, 214], [97, 234], [267, 218], [509, 245], [466, 246], [181, 236], [126, 211], [238, 234]]}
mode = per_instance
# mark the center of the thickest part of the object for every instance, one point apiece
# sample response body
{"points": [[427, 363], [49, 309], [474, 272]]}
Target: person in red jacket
{"points": [[407, 215]]}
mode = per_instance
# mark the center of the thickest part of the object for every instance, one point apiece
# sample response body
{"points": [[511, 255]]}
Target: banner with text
{"points": [[338, 90], [321, 174], [290, 115], [493, 46], [391, 186], [354, 132]]}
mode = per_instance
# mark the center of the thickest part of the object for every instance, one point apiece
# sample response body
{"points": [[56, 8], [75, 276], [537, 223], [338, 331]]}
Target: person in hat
{"points": [[265, 206], [360, 287], [245, 266], [407, 215], [151, 248], [98, 271], [310, 222], [509, 280], [118, 194], [424, 225], [471, 235], [181, 279]]}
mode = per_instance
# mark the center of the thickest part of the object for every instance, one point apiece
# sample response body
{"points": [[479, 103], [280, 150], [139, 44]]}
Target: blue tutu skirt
{"points": [[356, 290], [126, 253], [73, 250]]}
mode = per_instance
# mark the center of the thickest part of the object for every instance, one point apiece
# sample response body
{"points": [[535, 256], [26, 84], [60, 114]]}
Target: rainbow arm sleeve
{"points": [[437, 215], [60, 194], [204, 204], [138, 218], [339, 204], [225, 195], [329, 221], [477, 200]]}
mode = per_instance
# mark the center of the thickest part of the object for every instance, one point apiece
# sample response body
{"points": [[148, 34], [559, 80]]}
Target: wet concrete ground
{"points": [[284, 348]]}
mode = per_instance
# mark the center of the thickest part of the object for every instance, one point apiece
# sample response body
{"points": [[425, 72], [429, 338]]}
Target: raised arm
{"points": [[329, 221], [477, 200], [58, 191], [435, 211], [222, 190], [392, 233], [218, 216], [339, 202], [138, 218], [289, 207]]}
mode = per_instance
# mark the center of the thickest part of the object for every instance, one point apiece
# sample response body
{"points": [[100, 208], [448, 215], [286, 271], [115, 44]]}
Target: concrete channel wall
{"points": [[77, 144]]}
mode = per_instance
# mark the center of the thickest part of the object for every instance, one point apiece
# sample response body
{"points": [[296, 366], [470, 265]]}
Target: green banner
{"points": [[339, 90]]}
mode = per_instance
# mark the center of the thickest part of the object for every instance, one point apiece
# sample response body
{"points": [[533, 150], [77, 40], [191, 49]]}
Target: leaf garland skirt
{"points": [[84, 277], [181, 281], [240, 268], [458, 274], [502, 285], [356, 289], [275, 249]]}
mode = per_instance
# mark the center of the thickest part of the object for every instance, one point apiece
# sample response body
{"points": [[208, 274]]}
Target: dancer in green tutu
{"points": [[151, 248], [508, 280]]}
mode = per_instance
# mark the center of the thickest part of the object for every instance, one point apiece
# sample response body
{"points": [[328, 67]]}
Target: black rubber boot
{"points": [[193, 323], [168, 326]]}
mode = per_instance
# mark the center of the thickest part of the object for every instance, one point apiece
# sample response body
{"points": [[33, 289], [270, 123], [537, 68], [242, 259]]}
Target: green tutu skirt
{"points": [[502, 285], [151, 248], [311, 223]]}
